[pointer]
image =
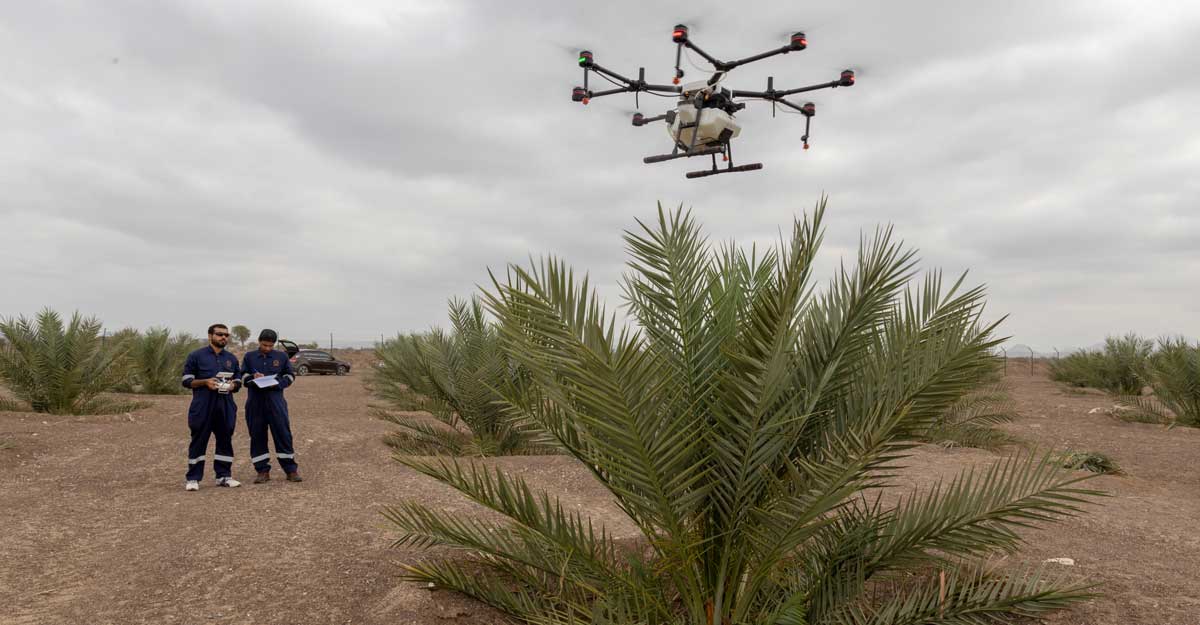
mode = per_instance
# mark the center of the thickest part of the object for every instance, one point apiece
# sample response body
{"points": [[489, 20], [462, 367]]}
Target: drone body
{"points": [[702, 122]]}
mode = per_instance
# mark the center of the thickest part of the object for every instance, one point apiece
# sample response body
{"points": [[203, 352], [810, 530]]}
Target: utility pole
{"points": [[331, 341]]}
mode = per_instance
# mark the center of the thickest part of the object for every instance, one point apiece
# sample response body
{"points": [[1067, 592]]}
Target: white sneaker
{"points": [[228, 482], [192, 485]]}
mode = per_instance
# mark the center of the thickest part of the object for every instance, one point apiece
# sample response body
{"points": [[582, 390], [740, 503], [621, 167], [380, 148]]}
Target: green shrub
{"points": [[461, 378], [1119, 368], [158, 358], [1093, 461], [123, 343], [971, 421], [1174, 374], [55, 368], [739, 426]]}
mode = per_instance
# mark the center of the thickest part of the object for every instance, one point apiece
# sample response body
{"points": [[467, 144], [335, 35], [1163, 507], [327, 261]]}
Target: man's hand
{"points": [[257, 376], [211, 383]]}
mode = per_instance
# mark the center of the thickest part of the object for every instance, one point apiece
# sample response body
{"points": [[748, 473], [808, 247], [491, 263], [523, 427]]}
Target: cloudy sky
{"points": [[347, 167]]}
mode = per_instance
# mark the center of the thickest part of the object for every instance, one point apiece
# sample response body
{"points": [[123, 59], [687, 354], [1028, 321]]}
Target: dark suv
{"points": [[308, 361]]}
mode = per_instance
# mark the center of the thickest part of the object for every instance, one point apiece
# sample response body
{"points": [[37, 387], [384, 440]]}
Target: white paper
{"points": [[267, 381]]}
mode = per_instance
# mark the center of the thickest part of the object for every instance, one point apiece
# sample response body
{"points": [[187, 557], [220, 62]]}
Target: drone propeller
{"points": [[570, 49], [694, 23]]}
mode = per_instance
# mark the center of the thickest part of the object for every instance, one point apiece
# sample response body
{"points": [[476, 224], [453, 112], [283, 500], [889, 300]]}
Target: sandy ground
{"points": [[95, 526]]}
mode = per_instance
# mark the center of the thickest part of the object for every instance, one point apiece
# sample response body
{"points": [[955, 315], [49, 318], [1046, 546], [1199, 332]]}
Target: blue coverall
{"points": [[211, 412], [267, 409]]}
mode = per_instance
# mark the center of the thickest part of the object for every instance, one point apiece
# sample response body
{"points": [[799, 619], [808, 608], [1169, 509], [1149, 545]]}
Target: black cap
{"points": [[267, 335]]}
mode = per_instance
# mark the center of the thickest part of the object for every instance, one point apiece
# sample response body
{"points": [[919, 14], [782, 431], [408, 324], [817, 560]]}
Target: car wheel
{"points": [[342, 370], [302, 370]]}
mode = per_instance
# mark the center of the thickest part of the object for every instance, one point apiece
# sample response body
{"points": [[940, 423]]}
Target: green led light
{"points": [[582, 60]]}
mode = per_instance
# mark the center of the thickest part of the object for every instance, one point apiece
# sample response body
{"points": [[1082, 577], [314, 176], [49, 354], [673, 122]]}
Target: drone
{"points": [[702, 122]]}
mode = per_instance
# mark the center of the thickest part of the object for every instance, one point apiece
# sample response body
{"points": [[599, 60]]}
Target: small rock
{"points": [[1062, 561], [1096, 411]]}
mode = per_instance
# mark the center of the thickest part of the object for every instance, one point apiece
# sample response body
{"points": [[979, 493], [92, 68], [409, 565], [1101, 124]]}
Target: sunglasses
{"points": [[220, 334]]}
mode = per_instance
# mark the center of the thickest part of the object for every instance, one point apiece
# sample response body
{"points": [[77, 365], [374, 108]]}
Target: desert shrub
{"points": [[1141, 409], [1174, 374], [460, 377], [157, 359], [1093, 461], [737, 425], [971, 421], [123, 344], [57, 368], [1119, 368]]}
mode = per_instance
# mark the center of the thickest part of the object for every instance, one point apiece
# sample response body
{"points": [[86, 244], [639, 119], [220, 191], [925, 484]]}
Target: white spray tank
{"points": [[713, 121]]}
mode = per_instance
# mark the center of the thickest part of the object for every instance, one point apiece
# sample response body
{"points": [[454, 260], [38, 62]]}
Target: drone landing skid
{"points": [[727, 170], [716, 149]]}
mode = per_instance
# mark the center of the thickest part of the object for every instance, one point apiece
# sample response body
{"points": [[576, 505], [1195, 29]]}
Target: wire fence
{"points": [[1026, 357]]}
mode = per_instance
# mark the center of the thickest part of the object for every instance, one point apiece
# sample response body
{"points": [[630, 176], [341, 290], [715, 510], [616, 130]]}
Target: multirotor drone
{"points": [[702, 122]]}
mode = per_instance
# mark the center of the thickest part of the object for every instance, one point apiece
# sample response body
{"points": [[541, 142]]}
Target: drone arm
{"points": [[790, 105], [833, 84], [598, 94], [757, 57], [629, 85], [737, 93], [641, 120], [663, 88], [596, 67], [717, 63]]}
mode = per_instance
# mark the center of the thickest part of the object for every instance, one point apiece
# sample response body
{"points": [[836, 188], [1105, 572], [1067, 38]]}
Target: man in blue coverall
{"points": [[267, 409], [212, 375]]}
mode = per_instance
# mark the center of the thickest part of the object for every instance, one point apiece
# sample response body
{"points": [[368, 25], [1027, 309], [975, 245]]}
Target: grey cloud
{"points": [[370, 161]]}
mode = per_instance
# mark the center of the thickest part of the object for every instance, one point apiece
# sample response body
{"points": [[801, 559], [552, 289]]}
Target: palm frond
{"points": [[971, 595], [462, 378], [56, 367], [737, 424]]}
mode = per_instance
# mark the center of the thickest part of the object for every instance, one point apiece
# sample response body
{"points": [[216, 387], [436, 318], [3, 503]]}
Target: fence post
{"points": [[1031, 361], [1005, 351]]}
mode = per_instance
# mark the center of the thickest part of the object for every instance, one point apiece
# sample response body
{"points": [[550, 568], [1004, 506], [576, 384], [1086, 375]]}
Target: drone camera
{"points": [[809, 109], [586, 59], [680, 34], [799, 41], [847, 79], [639, 119]]}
